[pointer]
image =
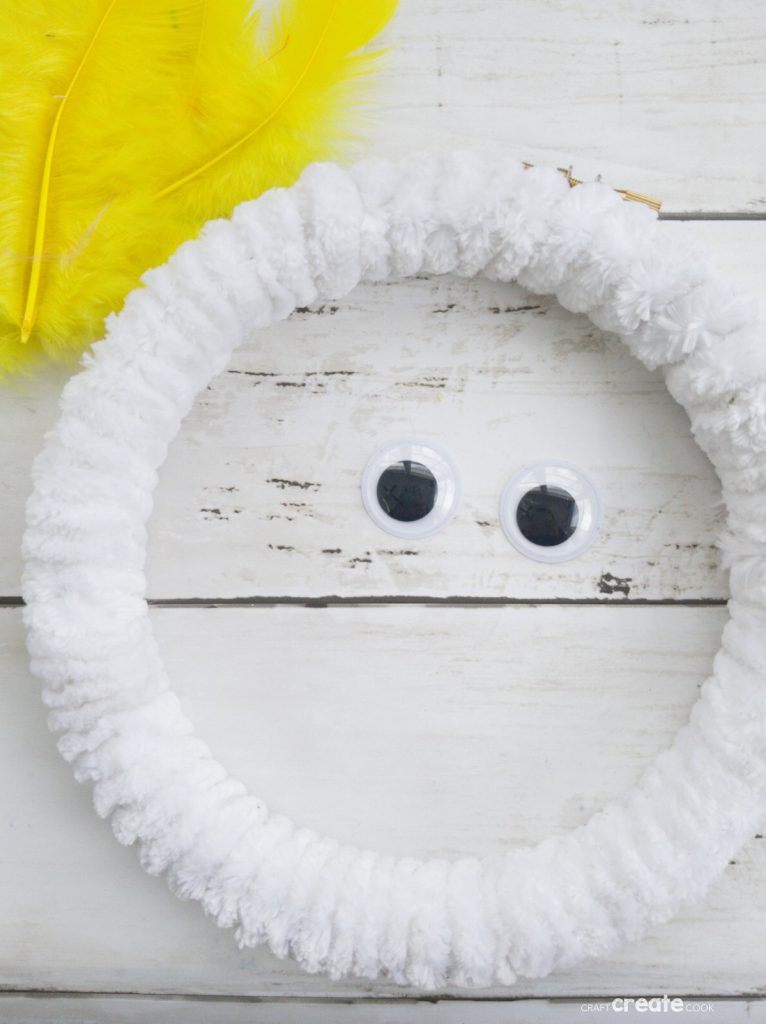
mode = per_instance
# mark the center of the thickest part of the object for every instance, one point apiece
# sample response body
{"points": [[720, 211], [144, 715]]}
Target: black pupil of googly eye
{"points": [[407, 491], [547, 516]]}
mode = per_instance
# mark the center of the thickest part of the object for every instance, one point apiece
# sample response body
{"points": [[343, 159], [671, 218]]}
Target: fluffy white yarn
{"points": [[336, 908]]}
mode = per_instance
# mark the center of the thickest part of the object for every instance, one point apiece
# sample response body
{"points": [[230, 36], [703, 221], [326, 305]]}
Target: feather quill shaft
{"points": [[124, 127], [34, 277]]}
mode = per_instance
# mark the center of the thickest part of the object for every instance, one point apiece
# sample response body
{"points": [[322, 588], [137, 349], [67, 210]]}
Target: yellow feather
{"points": [[126, 124]]}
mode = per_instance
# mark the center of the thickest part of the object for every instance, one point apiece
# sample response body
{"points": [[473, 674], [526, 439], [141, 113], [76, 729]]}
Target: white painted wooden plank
{"points": [[260, 495], [665, 100], [410, 729], [35, 1009], [433, 716]]}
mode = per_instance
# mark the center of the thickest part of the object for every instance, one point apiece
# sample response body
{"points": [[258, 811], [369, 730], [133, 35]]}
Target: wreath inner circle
{"points": [[336, 908]]}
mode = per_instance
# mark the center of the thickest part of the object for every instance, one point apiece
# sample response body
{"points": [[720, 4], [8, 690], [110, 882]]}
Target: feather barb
{"points": [[262, 124]]}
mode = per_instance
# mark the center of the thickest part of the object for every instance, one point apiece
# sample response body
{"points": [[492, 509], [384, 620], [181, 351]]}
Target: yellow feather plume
{"points": [[126, 124]]}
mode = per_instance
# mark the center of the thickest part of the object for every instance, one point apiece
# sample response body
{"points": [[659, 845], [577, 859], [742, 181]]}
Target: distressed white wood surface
{"points": [[130, 1010], [426, 730], [260, 493], [665, 99], [413, 728]]}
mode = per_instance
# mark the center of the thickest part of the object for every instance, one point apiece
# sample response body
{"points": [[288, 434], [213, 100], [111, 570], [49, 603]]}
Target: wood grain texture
{"points": [[663, 99], [131, 1010], [414, 730], [260, 493]]}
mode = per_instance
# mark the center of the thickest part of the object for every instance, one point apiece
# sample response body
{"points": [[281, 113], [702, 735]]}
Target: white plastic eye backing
{"points": [[411, 488], [551, 511]]}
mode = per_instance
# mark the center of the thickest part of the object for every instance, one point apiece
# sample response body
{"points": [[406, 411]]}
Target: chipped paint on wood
{"points": [[609, 584], [257, 464]]}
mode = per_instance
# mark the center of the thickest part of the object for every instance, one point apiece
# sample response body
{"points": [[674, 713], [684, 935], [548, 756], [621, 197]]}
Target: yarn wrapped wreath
{"points": [[332, 906]]}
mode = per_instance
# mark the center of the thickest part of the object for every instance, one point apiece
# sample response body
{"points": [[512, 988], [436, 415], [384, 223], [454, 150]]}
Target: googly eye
{"points": [[551, 512], [410, 488]]}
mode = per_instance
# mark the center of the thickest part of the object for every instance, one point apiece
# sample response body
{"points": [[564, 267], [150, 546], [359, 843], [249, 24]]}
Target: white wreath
{"points": [[334, 907]]}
